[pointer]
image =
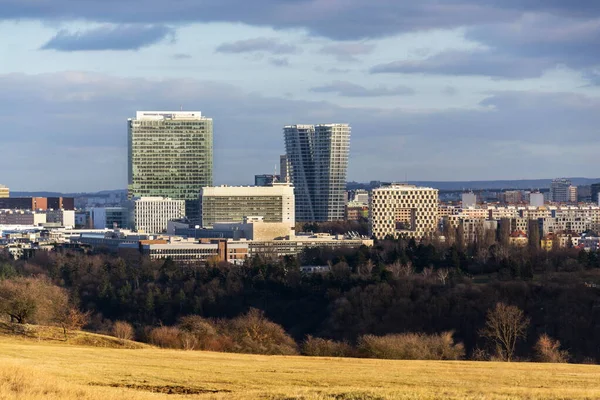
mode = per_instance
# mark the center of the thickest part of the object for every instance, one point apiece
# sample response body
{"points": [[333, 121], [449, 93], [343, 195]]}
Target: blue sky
{"points": [[435, 89]]}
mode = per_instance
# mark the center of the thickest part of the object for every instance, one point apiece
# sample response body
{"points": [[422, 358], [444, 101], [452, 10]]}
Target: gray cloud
{"points": [[485, 62], [348, 89], [279, 62], [266, 45], [512, 135], [346, 52], [108, 37]]}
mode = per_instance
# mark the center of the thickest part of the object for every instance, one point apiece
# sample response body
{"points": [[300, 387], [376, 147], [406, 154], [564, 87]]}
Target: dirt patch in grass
{"points": [[163, 389]]}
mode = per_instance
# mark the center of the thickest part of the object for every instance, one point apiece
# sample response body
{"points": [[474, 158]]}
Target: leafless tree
{"points": [[366, 268], [123, 330], [505, 325], [36, 300], [427, 272], [443, 274]]}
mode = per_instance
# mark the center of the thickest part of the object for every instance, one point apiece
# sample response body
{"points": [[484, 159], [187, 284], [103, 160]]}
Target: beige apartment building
{"points": [[403, 210], [4, 192]]}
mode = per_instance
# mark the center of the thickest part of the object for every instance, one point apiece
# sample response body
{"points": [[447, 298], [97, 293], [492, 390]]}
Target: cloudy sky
{"points": [[433, 89]]}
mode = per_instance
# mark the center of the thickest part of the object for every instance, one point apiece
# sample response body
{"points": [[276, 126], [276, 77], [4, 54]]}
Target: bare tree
{"points": [[547, 350], [427, 272], [123, 330], [36, 300], [395, 269], [73, 319], [366, 268], [505, 325], [443, 274]]}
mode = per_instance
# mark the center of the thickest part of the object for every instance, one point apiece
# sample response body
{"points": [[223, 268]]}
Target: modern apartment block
{"points": [[403, 210], [170, 155], [559, 190], [152, 214], [318, 161], [4, 191], [573, 194], [232, 203]]}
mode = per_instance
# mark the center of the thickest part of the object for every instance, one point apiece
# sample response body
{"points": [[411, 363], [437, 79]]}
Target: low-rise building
{"points": [[4, 192]]}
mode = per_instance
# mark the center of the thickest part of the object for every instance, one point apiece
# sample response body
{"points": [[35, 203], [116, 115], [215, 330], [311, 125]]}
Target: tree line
{"points": [[393, 290]]}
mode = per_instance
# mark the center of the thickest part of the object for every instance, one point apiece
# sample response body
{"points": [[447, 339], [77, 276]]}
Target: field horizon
{"points": [[50, 369]]}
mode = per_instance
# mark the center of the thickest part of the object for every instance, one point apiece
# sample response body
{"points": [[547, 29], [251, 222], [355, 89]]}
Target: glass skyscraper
{"points": [[317, 157], [170, 155]]}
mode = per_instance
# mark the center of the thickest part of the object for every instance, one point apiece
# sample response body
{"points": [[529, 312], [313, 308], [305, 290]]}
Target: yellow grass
{"points": [[32, 369]]}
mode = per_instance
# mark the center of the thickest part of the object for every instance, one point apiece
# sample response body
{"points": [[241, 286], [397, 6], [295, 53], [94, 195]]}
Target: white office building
{"points": [[274, 203], [403, 210], [318, 162], [152, 214]]}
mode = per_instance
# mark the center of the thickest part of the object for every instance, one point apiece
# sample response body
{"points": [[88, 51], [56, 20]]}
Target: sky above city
{"points": [[433, 89]]}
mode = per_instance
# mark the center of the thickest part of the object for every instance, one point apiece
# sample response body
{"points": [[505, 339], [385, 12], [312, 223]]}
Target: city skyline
{"points": [[469, 90]]}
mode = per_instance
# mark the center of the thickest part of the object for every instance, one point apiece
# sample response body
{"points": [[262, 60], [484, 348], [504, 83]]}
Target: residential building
{"points": [[284, 174], [572, 194], [536, 199], [559, 190], [403, 210], [318, 162], [356, 211], [360, 196], [584, 194], [170, 155], [22, 217], [265, 180], [4, 191], [232, 203], [111, 217], [37, 203], [60, 218], [512, 196], [469, 199], [152, 214]]}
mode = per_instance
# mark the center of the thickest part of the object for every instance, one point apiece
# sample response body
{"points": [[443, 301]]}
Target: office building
{"points": [[22, 217], [233, 203], [60, 218], [360, 196], [403, 210], [111, 217], [4, 191], [152, 214], [170, 155], [318, 162], [265, 180], [37, 203], [559, 190], [595, 189], [284, 169]]}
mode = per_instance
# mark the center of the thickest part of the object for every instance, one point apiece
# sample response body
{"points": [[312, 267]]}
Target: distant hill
{"points": [[482, 185], [102, 193]]}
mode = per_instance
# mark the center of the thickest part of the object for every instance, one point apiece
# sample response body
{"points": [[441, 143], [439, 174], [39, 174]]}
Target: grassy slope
{"points": [[32, 369]]}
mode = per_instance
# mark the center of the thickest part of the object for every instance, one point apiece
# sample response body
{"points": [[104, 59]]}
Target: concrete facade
{"points": [[403, 210], [152, 214]]}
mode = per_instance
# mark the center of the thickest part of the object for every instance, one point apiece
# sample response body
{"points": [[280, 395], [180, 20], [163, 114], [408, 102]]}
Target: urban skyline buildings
{"points": [[317, 163], [170, 154]]}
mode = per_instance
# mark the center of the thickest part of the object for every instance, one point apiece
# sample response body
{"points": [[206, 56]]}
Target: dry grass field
{"points": [[47, 368]]}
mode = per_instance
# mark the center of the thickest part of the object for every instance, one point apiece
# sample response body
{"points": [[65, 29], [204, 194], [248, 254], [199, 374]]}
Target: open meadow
{"points": [[42, 369]]}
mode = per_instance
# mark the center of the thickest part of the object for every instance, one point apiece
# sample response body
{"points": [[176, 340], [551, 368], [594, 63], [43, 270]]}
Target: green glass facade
{"points": [[170, 155]]}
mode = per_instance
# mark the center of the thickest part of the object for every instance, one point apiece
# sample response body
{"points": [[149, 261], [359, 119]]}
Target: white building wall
{"points": [[152, 214]]}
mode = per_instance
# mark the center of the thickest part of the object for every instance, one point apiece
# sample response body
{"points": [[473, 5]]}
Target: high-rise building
{"points": [[284, 169], [233, 203], [403, 210], [572, 194], [559, 190], [4, 191], [318, 161], [595, 188], [170, 155], [152, 214]]}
